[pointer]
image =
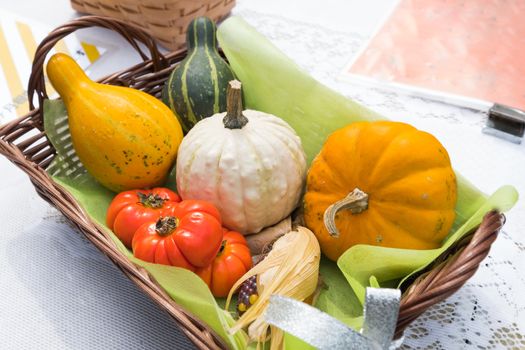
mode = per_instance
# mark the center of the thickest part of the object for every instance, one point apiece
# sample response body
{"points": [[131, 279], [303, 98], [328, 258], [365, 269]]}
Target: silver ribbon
{"points": [[325, 332]]}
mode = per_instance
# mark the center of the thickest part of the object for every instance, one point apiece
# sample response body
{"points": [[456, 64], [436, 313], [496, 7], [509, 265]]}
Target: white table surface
{"points": [[59, 292]]}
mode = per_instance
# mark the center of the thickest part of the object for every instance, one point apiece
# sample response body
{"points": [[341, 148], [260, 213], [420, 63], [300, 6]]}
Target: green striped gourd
{"points": [[196, 88]]}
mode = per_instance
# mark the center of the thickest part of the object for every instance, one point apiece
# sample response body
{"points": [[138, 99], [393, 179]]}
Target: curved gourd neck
{"points": [[65, 74], [201, 34]]}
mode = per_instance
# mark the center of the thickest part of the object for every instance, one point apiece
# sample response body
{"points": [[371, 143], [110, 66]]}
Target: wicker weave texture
{"points": [[24, 143], [165, 20]]}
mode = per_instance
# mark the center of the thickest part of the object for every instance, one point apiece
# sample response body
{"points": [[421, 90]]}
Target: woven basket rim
{"points": [[446, 275], [165, 20]]}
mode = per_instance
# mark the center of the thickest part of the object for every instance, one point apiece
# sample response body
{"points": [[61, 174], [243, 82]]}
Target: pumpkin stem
{"points": [[234, 119], [166, 225], [356, 201]]}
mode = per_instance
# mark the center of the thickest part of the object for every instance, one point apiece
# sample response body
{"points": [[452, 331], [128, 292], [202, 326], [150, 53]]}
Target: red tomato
{"points": [[130, 209], [231, 263], [189, 236]]}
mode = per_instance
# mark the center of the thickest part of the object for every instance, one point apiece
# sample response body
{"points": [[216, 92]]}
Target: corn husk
{"points": [[290, 269]]}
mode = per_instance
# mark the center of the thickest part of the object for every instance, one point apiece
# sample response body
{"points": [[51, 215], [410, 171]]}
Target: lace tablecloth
{"points": [[59, 292]]}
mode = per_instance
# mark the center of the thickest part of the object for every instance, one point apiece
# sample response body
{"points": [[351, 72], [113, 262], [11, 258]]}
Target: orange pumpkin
{"points": [[381, 183]]}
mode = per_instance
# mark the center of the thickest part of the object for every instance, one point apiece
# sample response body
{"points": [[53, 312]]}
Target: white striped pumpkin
{"points": [[253, 170]]}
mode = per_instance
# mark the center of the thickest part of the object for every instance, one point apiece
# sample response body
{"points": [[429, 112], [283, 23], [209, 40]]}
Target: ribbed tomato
{"points": [[131, 209], [188, 236], [231, 263]]}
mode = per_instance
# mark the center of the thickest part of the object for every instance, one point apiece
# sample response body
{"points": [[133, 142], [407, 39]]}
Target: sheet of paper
{"points": [[19, 38], [455, 50]]}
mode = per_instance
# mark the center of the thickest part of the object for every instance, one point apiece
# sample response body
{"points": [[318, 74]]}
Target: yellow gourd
{"points": [[124, 137], [381, 183]]}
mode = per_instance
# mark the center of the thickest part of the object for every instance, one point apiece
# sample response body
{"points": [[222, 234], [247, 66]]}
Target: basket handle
{"points": [[132, 35]]}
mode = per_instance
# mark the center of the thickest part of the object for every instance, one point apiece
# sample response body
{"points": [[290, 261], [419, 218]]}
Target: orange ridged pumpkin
{"points": [[382, 183]]}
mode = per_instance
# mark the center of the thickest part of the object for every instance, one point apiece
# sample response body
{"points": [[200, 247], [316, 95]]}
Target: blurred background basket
{"points": [[23, 141], [165, 20]]}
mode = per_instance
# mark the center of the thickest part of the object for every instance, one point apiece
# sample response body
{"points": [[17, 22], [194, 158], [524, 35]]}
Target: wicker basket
{"points": [[24, 143], [165, 20]]}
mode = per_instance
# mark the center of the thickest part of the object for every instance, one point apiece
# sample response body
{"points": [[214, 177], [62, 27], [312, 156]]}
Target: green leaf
{"points": [[294, 343], [502, 200], [373, 282], [56, 126], [335, 297], [391, 267], [274, 84]]}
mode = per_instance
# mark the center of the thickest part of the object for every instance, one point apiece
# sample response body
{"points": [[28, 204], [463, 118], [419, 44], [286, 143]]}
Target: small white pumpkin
{"points": [[250, 164]]}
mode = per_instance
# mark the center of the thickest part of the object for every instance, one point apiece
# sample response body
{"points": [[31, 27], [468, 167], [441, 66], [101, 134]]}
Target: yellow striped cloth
{"points": [[19, 38]]}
